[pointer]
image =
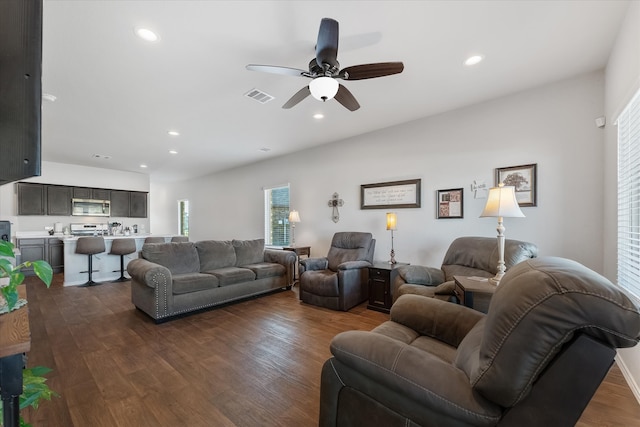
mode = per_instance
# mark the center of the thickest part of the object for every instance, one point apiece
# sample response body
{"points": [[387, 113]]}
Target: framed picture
{"points": [[450, 203], [524, 179], [397, 194]]}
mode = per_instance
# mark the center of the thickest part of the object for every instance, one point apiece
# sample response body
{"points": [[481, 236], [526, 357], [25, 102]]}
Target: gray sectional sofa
{"points": [[172, 279]]}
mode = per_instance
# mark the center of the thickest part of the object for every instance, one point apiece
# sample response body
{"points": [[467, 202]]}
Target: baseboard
{"points": [[633, 385]]}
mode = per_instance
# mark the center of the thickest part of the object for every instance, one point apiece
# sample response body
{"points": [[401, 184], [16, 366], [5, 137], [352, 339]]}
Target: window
{"points": [[183, 217], [629, 197], [276, 216]]}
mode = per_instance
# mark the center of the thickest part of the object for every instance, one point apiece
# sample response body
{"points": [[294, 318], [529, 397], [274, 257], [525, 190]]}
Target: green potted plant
{"points": [[11, 276], [34, 387]]}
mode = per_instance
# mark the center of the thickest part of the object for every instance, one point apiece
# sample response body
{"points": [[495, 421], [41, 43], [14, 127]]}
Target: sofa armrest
{"points": [[412, 373], [148, 273], [285, 258], [353, 265], [444, 321], [315, 263], [279, 256]]}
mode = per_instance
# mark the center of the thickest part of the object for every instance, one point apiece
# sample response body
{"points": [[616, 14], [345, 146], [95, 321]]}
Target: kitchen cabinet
{"points": [[100, 194], [119, 203], [55, 254], [137, 204], [128, 204], [32, 250], [81, 193], [31, 198], [58, 200], [49, 199], [91, 193], [47, 249]]}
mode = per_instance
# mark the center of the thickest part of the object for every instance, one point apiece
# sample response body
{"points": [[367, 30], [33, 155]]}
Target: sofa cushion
{"points": [[321, 282], [482, 253], [349, 246], [232, 275], [179, 258], [249, 251], [216, 254], [193, 282], [267, 269]]}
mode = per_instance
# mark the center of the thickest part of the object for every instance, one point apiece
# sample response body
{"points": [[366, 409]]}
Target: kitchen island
{"points": [[106, 267]]}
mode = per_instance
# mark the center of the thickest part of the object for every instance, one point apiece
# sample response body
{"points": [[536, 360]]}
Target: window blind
{"points": [[276, 216], [629, 197]]}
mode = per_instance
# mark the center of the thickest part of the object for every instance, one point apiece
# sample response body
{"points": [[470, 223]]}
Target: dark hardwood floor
{"points": [[255, 363]]}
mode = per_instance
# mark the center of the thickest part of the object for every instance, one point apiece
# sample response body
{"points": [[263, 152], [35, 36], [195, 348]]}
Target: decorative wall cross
{"points": [[334, 203]]}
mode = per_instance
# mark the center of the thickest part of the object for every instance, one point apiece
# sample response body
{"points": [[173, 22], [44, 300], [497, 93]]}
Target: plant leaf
{"points": [[6, 249], [43, 271], [10, 295]]}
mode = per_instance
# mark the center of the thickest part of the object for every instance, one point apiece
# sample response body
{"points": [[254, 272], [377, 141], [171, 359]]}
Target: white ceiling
{"points": [[118, 96]]}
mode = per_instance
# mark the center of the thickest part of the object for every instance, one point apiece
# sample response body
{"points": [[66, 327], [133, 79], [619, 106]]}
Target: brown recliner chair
{"points": [[535, 359], [339, 281], [466, 256]]}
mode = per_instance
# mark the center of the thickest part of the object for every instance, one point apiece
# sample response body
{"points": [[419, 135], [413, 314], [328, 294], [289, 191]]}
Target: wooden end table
{"points": [[381, 275], [299, 251], [467, 286], [15, 339]]}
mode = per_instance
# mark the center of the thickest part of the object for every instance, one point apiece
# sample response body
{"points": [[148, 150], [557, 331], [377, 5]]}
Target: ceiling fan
{"points": [[324, 69]]}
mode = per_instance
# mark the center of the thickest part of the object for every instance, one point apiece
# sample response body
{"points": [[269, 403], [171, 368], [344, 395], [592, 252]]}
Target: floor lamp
{"points": [[501, 203], [294, 217], [392, 221]]}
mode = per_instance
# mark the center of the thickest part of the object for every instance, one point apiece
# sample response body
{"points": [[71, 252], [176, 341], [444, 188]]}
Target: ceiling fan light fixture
{"points": [[323, 88]]}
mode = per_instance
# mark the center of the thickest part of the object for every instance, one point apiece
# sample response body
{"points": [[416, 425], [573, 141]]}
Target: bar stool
{"points": [[122, 247], [180, 239], [154, 240], [90, 246]]}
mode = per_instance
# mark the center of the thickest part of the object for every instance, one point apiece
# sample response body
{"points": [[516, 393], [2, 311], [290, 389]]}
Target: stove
{"points": [[99, 229]]}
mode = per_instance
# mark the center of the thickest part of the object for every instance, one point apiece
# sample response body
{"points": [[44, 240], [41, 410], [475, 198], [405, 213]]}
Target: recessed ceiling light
{"points": [[143, 165], [173, 133], [49, 97], [318, 116], [147, 34], [173, 152], [473, 60]]}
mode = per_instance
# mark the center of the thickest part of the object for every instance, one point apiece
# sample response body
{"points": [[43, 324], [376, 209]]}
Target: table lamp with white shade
{"points": [[294, 217], [501, 203], [392, 222]]}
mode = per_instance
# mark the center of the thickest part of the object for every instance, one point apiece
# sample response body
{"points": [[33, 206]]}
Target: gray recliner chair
{"points": [[535, 359], [339, 281], [466, 256]]}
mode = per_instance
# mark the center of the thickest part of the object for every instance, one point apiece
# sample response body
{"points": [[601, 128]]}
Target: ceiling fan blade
{"points": [[327, 46], [299, 96], [371, 71], [345, 98], [274, 69]]}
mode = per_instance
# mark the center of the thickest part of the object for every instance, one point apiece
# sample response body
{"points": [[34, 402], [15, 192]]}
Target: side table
{"points": [[381, 275], [15, 339], [299, 251], [468, 286]]}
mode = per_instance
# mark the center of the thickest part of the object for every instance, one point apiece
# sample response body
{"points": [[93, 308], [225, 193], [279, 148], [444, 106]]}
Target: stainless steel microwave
{"points": [[88, 207]]}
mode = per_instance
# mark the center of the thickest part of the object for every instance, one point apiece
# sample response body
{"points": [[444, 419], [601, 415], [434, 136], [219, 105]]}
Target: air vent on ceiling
{"points": [[259, 96]]}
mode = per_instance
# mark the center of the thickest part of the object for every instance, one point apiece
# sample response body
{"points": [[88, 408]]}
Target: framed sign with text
{"points": [[395, 194]]}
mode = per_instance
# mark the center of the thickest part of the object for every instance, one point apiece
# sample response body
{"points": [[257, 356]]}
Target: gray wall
{"points": [[552, 126]]}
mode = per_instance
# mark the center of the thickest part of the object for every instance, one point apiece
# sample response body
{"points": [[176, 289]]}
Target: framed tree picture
{"points": [[524, 179], [450, 203]]}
